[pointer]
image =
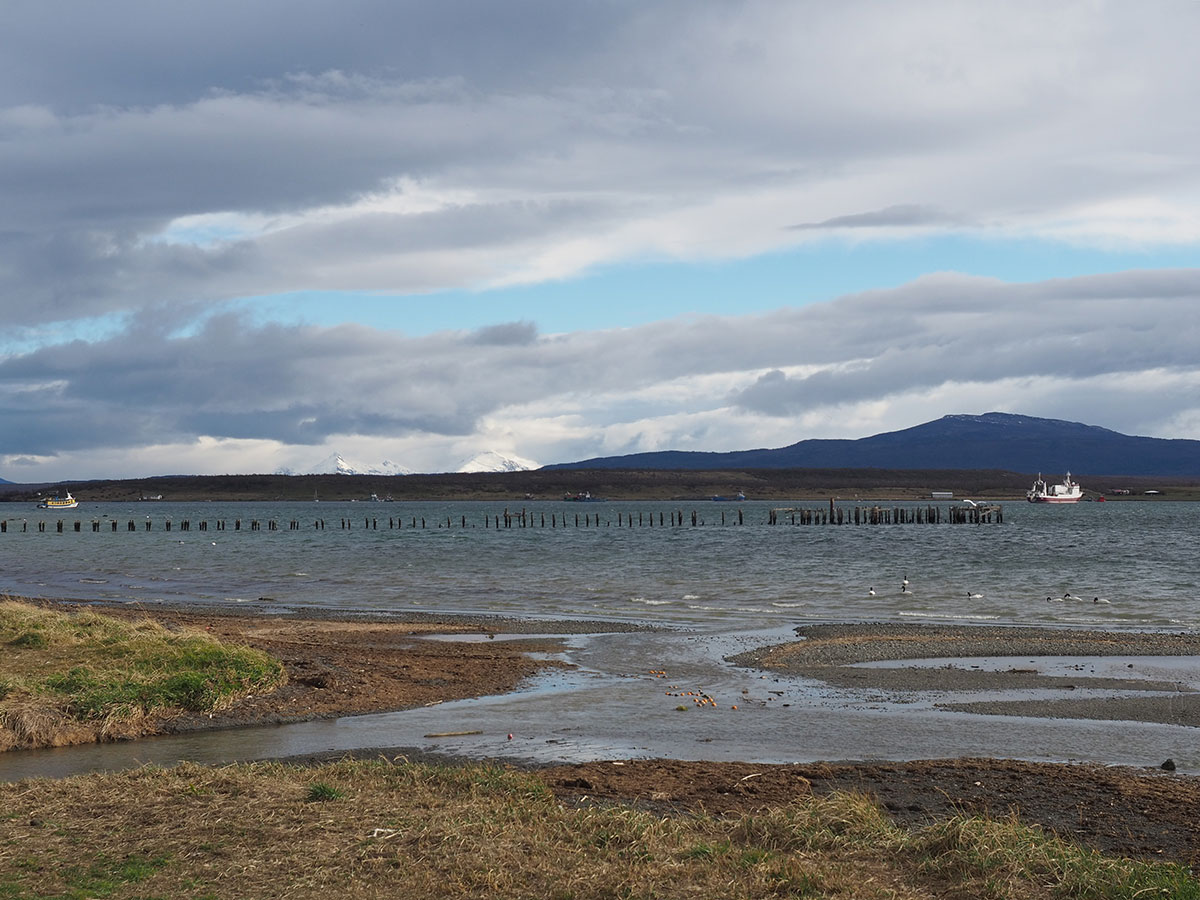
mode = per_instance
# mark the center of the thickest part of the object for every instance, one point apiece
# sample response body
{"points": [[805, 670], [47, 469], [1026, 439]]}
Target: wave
{"points": [[936, 615]]}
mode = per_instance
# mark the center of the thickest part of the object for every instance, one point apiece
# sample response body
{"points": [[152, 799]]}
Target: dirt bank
{"points": [[338, 666], [1147, 814]]}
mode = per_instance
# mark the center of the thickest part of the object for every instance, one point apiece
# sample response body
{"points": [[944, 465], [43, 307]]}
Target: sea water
{"points": [[711, 590], [1117, 564]]}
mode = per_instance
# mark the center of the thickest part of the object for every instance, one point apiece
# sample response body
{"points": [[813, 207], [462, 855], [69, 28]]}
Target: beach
{"points": [[342, 664], [832, 654], [345, 665]]}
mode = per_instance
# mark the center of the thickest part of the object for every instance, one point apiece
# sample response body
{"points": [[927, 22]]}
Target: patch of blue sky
{"points": [[18, 341], [205, 231], [633, 294]]}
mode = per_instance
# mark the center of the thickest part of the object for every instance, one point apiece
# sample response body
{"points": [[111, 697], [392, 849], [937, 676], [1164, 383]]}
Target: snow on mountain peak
{"points": [[491, 461], [336, 464]]}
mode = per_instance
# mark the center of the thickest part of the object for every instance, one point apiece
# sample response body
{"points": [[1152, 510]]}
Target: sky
{"points": [[239, 237]]}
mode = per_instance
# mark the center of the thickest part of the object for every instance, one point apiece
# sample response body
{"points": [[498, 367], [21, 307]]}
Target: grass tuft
{"points": [[422, 831], [322, 792], [92, 668]]}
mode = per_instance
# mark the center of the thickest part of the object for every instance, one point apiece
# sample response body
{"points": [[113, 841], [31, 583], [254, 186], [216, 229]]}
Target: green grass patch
{"points": [[95, 667], [105, 876], [321, 792], [30, 640]]}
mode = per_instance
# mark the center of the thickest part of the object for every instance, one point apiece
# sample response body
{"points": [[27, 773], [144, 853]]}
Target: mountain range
{"points": [[491, 461], [990, 441], [336, 464], [488, 461]]}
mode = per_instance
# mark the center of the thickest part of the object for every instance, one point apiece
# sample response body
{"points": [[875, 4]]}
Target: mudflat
{"points": [[341, 664], [831, 654]]}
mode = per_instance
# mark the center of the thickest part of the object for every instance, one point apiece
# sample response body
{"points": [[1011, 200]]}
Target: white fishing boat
{"points": [[57, 502], [1067, 491]]}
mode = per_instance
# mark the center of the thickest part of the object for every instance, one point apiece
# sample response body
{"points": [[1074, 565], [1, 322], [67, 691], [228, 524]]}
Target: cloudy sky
{"points": [[236, 236]]}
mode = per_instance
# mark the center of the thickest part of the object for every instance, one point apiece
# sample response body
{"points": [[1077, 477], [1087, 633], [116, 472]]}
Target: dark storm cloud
{"points": [[506, 335]]}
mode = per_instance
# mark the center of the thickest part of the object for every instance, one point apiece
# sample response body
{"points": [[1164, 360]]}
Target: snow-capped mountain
{"points": [[491, 461], [336, 464]]}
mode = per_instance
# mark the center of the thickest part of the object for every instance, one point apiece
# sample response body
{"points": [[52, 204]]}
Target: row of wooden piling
{"points": [[525, 518], [898, 515]]}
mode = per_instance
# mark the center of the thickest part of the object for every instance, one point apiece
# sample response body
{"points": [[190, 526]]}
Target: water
{"points": [[714, 589], [1137, 558]]}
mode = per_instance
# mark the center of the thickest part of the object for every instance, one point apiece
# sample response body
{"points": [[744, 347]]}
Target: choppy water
{"points": [[717, 589], [1138, 559]]}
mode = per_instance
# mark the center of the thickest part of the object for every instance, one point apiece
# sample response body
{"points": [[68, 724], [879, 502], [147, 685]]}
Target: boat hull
{"points": [[57, 502], [1067, 492]]}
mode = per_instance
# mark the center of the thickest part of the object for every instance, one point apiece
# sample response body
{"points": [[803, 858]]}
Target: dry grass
{"points": [[375, 829], [67, 677]]}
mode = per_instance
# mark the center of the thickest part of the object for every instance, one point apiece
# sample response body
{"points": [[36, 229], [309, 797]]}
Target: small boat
{"points": [[57, 502], [584, 497], [737, 498], [1066, 492]]}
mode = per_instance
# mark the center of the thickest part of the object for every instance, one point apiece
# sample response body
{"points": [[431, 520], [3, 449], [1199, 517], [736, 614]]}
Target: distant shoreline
{"points": [[540, 485]]}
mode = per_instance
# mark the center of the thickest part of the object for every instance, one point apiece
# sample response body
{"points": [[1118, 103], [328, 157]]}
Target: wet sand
{"points": [[832, 653]]}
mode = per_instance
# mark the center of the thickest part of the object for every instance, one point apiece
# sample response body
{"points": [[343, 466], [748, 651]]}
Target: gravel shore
{"points": [[829, 653]]}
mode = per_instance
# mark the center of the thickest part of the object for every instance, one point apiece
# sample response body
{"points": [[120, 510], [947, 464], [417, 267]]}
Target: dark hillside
{"points": [[991, 441]]}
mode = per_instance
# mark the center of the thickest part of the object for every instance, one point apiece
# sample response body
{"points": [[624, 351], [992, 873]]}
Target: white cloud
{"points": [[1116, 350], [151, 185], [315, 156]]}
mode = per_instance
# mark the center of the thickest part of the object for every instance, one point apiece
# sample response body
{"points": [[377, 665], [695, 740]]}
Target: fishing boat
{"points": [[582, 497], [736, 498], [1066, 492], [57, 502]]}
